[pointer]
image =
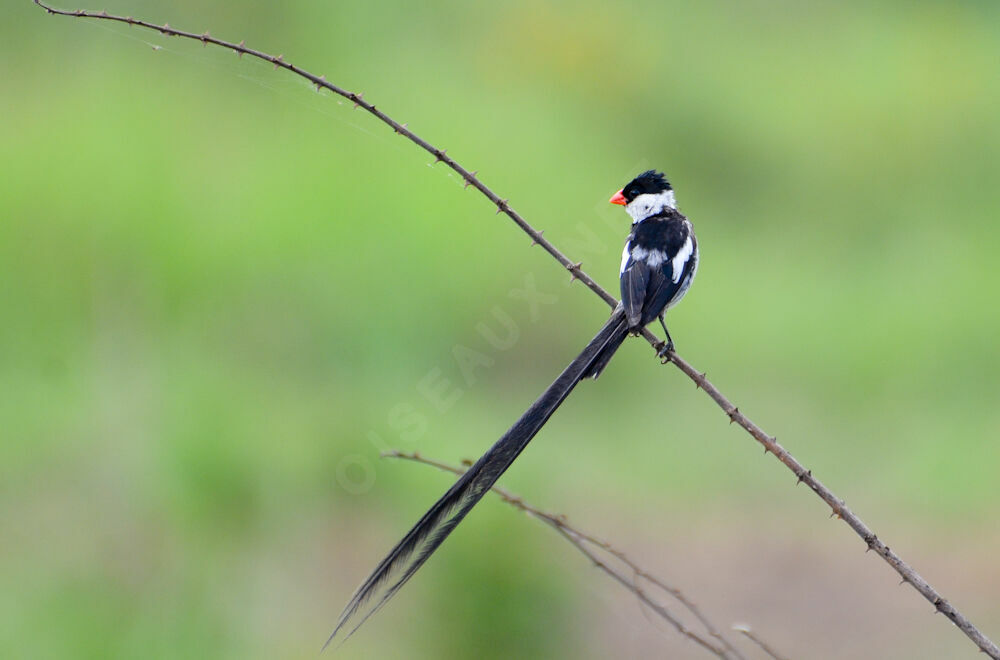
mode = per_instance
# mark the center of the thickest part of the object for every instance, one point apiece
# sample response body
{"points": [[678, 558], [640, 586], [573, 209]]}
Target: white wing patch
{"points": [[653, 258], [625, 254], [681, 258]]}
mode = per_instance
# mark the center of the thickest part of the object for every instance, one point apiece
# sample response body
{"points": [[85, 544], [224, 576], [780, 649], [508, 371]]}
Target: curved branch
{"points": [[583, 542], [837, 505]]}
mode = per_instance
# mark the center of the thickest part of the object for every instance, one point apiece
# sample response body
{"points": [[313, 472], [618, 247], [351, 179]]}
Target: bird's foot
{"points": [[664, 350]]}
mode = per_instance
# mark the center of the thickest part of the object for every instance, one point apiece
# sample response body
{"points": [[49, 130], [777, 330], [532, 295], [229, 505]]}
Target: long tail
{"points": [[425, 537], [618, 335]]}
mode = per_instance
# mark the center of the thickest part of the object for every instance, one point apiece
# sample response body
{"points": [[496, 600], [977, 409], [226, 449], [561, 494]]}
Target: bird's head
{"points": [[645, 195]]}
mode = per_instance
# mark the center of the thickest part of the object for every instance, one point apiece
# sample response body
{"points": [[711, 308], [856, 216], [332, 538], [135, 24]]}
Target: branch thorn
{"points": [[239, 53], [204, 37], [732, 415], [501, 205], [277, 61], [574, 268], [320, 82], [357, 98], [534, 241], [439, 155]]}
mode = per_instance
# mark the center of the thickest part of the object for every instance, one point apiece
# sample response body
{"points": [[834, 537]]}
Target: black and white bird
{"points": [[658, 265], [659, 261]]}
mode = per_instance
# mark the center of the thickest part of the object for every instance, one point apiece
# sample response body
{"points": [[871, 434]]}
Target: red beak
{"points": [[618, 198]]}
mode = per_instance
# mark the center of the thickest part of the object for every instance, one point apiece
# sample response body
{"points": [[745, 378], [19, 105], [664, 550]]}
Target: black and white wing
{"points": [[670, 281], [634, 280], [658, 264]]}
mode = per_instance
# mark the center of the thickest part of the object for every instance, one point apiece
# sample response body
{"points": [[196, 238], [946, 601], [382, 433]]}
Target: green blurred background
{"points": [[221, 294]]}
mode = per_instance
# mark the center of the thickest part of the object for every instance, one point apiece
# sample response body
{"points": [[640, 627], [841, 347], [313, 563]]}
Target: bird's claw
{"points": [[664, 350]]}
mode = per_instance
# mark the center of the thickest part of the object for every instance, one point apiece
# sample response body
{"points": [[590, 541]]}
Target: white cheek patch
{"points": [[647, 204], [681, 258]]}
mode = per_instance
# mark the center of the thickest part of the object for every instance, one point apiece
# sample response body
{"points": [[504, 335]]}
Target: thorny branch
{"points": [[586, 544], [838, 506]]}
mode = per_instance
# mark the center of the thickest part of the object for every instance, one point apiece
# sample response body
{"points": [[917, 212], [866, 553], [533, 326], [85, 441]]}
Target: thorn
{"points": [[766, 450], [319, 83], [204, 37], [277, 61], [501, 204], [357, 98], [807, 473], [104, 13], [573, 268], [439, 155], [733, 414], [242, 44], [165, 29], [534, 241], [396, 130], [130, 21]]}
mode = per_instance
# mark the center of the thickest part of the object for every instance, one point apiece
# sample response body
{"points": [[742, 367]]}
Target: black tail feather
{"points": [[425, 537], [620, 332]]}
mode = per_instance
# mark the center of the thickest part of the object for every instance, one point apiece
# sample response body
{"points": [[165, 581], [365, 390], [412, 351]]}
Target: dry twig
{"points": [[747, 632], [838, 506], [586, 544]]}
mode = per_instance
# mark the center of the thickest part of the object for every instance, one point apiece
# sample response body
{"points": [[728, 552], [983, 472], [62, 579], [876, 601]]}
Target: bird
{"points": [[659, 260], [658, 264]]}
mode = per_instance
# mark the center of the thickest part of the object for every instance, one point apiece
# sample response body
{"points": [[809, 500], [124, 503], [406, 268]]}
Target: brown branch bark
{"points": [[837, 505], [581, 540]]}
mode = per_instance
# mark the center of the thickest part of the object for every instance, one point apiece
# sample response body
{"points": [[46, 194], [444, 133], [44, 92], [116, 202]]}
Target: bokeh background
{"points": [[222, 294]]}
